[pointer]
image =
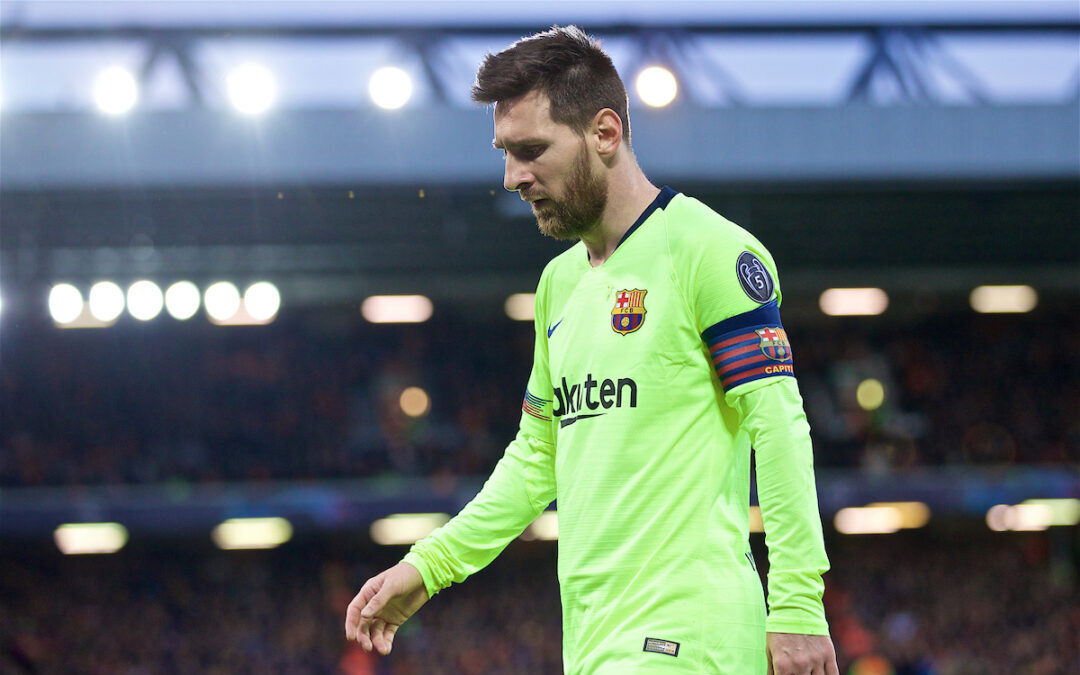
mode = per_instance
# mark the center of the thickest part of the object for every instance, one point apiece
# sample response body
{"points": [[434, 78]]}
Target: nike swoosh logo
{"points": [[567, 421], [551, 329]]}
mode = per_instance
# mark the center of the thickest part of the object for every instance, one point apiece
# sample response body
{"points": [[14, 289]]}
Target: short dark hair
{"points": [[564, 64]]}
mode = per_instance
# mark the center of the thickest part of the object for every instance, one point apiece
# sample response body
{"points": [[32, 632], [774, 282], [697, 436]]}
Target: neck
{"points": [[628, 196]]}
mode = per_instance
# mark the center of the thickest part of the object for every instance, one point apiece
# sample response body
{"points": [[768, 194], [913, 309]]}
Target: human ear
{"points": [[608, 130]]}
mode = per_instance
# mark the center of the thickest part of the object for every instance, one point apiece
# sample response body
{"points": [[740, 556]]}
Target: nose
{"points": [[515, 176]]}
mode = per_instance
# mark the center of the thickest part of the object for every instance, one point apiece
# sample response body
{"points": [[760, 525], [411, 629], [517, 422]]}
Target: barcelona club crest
{"points": [[774, 343], [629, 311]]}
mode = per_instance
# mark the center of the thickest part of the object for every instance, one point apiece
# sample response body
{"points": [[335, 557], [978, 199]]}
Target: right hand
{"points": [[382, 605]]}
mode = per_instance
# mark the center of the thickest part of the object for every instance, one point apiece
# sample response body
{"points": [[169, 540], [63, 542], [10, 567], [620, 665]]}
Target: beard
{"points": [[578, 212]]}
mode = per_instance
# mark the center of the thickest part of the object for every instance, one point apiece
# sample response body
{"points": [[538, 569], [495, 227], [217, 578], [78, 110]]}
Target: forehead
{"points": [[525, 118]]}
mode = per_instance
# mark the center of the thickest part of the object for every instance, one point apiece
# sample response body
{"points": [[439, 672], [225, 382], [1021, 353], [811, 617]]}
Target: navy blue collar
{"points": [[661, 201]]}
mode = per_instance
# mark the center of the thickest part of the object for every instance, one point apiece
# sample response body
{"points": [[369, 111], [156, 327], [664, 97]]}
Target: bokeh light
{"points": [[657, 86], [106, 301], [222, 300], [262, 300], [390, 87], [65, 303], [144, 300], [252, 88], [182, 300], [115, 91]]}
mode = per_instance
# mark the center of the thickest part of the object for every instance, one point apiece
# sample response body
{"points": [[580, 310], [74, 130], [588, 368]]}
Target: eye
{"points": [[532, 151]]}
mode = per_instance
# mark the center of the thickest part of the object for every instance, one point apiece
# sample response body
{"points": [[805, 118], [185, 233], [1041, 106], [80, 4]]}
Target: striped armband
{"points": [[749, 347], [540, 408]]}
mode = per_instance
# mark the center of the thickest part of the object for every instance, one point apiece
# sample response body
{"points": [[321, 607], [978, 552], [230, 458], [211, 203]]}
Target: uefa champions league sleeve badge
{"points": [[629, 311], [754, 278]]}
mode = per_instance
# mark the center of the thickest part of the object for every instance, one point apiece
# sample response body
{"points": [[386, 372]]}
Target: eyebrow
{"points": [[517, 144]]}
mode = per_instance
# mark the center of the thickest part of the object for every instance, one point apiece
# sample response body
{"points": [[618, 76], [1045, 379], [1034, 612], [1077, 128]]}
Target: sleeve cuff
{"points": [[414, 559]]}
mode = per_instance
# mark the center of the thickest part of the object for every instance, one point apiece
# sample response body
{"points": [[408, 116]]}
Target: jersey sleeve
{"points": [[520, 487], [736, 296], [780, 435]]}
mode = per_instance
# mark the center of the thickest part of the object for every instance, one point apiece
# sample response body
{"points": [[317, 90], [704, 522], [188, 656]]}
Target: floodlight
{"points": [[405, 528], [182, 300], [65, 303], [252, 88], [521, 306], [252, 533], [83, 538], [868, 520], [115, 91], [396, 308], [545, 527], [106, 301], [657, 86], [222, 300], [870, 394], [1004, 299], [144, 300], [853, 301], [415, 402], [390, 87], [262, 300]]}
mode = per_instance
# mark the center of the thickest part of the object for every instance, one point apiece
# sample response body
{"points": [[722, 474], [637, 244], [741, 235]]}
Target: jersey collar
{"points": [[661, 201]]}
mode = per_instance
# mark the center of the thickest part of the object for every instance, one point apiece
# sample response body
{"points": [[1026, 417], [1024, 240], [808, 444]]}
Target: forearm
{"points": [[518, 490], [773, 416]]}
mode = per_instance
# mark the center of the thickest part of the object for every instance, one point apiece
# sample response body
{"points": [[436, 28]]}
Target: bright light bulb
{"points": [[65, 303], [106, 301], [262, 300], [657, 86], [144, 300], [390, 87], [222, 300], [182, 300], [252, 89], [115, 91]]}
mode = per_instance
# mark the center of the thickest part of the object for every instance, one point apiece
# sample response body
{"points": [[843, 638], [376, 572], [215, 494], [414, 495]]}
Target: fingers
{"points": [[378, 630], [357, 625]]}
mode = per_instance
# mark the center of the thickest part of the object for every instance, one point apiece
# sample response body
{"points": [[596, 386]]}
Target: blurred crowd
{"points": [[919, 603], [318, 396]]}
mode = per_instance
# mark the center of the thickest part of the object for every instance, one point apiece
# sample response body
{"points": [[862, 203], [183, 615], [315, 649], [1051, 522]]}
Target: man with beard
{"points": [[660, 359]]}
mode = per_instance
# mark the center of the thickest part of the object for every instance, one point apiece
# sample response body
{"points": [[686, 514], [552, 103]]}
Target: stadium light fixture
{"points": [[115, 91], [406, 528], [868, 520], [853, 301], [913, 515], [544, 528], [657, 86], [757, 524], [106, 301], [521, 306], [65, 303], [222, 300], [1063, 512], [1004, 299], [144, 300], [182, 300], [1034, 515], [870, 394], [415, 402], [86, 538], [262, 301], [252, 89], [252, 533], [390, 88], [396, 308]]}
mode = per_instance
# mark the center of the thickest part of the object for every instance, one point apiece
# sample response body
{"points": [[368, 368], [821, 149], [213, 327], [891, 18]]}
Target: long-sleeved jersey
{"points": [[653, 376]]}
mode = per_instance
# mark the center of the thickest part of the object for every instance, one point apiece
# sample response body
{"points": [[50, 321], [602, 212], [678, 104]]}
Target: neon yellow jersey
{"points": [[653, 374]]}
